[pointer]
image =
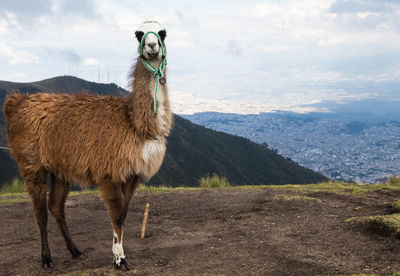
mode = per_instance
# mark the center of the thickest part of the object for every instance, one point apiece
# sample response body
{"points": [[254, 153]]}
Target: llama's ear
{"points": [[139, 35], [162, 34]]}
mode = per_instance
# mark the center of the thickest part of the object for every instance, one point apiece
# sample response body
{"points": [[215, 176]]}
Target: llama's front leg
{"points": [[119, 260], [128, 189], [117, 209]]}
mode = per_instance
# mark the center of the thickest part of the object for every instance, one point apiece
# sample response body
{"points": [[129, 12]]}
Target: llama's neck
{"points": [[141, 104]]}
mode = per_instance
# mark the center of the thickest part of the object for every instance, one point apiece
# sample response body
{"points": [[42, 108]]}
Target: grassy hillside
{"points": [[192, 151]]}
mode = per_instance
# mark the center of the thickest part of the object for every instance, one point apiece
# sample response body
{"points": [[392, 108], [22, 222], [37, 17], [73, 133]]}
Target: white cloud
{"points": [[364, 15], [91, 62], [22, 57], [16, 56], [17, 75]]}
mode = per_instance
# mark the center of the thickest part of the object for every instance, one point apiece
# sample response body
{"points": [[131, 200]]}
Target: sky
{"points": [[228, 56]]}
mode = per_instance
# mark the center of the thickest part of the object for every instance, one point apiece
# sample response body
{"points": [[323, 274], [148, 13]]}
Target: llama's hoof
{"points": [[79, 256], [46, 262], [123, 265], [76, 254]]}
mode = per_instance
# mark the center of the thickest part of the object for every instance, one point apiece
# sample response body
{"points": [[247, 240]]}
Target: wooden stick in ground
{"points": [[146, 213]]}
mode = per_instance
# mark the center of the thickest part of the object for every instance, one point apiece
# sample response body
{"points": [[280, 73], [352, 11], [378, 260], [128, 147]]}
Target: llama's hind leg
{"points": [[58, 195], [35, 183]]}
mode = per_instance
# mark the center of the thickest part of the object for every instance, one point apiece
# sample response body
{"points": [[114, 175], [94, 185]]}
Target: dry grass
{"points": [[214, 181], [395, 207], [337, 187], [389, 224], [15, 187]]}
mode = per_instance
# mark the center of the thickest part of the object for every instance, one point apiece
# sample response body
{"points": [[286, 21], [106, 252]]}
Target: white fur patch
{"points": [[150, 26], [152, 149], [161, 108], [152, 39], [118, 250], [161, 118]]}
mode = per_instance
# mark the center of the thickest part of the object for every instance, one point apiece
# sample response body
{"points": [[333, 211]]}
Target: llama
{"points": [[90, 139]]}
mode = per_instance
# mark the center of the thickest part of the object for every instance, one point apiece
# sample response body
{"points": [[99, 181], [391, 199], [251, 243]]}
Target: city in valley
{"points": [[353, 147]]}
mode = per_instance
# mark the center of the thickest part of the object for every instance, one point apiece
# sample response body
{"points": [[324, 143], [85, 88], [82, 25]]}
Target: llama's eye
{"points": [[139, 35]]}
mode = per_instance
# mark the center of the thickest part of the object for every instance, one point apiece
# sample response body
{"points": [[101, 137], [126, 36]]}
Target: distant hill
{"points": [[65, 84], [192, 151]]}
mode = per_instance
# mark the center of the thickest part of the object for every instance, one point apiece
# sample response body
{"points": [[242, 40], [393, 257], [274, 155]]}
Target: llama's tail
{"points": [[11, 105]]}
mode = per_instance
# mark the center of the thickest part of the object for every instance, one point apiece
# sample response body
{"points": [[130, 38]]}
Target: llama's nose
{"points": [[151, 45]]}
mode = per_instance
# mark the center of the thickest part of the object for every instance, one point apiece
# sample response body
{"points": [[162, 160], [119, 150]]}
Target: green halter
{"points": [[159, 72]]}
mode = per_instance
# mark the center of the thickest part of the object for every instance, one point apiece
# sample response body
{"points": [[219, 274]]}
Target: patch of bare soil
{"points": [[227, 231]]}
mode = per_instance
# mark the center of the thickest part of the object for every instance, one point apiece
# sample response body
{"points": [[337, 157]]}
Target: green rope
{"points": [[157, 72], [4, 148]]}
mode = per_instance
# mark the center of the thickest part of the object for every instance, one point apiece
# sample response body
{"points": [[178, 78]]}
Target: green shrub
{"points": [[17, 186], [394, 180], [214, 181]]}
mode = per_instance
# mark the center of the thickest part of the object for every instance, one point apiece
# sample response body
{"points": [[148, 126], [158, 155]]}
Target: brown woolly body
{"points": [[88, 138]]}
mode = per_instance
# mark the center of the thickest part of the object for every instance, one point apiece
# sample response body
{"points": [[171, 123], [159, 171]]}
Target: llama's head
{"points": [[152, 47]]}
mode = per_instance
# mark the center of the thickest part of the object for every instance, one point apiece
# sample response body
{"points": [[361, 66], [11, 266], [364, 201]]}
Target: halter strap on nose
{"points": [[159, 72], [159, 39]]}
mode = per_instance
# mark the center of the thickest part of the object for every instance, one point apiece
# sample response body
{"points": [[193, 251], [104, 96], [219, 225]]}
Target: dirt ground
{"points": [[227, 231]]}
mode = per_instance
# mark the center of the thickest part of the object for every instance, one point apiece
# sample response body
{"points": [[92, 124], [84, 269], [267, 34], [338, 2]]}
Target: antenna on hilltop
{"points": [[108, 75], [98, 72]]}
